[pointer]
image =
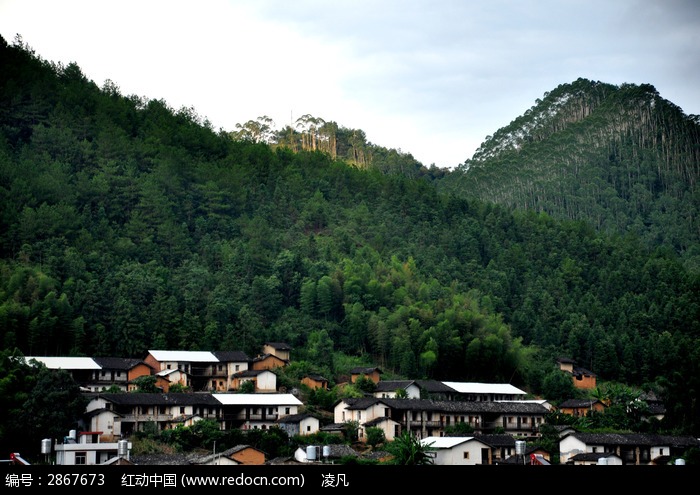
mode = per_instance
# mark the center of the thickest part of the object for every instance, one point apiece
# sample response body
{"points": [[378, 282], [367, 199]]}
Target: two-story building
{"points": [[425, 418]]}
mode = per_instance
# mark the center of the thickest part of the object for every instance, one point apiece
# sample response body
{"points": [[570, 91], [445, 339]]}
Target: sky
{"points": [[432, 78]]}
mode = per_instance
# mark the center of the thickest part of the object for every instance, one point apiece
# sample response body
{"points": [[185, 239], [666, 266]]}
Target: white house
{"points": [[256, 411], [457, 451], [86, 449]]}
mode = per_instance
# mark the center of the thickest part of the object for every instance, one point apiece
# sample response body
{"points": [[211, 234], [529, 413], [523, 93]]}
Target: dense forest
{"points": [[127, 225]]}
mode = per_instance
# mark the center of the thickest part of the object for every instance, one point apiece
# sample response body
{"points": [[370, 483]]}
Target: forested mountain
{"points": [[619, 157], [126, 225]]}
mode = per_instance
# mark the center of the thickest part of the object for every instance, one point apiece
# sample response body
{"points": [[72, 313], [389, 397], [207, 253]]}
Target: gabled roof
{"points": [[116, 363], [364, 369], [263, 357], [650, 440], [231, 356], [392, 385], [316, 377], [66, 363], [250, 373], [478, 407], [258, 399], [280, 346], [484, 388], [160, 399], [294, 418], [434, 386], [445, 442], [497, 440], [184, 356]]}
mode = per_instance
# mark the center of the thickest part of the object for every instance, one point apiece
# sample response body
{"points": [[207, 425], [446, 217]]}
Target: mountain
{"points": [[126, 225], [621, 158]]}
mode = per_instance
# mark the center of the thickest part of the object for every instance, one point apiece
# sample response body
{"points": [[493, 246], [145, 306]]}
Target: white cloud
{"points": [[430, 78]]}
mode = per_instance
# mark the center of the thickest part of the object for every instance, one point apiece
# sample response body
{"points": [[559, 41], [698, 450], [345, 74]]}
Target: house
{"points": [[457, 451], [236, 456], [278, 349], [580, 407], [389, 389], [121, 414], [205, 371], [632, 448], [255, 411], [371, 373], [314, 382], [485, 392], [423, 417], [166, 378], [263, 380], [268, 362], [582, 378], [118, 372], [84, 370], [85, 449], [299, 424]]}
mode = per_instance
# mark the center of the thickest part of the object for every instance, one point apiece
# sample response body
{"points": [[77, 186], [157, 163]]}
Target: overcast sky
{"points": [[428, 77]]}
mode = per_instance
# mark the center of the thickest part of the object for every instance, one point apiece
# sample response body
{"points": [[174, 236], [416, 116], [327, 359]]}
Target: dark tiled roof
{"points": [[161, 399], [280, 346], [250, 373], [294, 418], [434, 386], [497, 440], [637, 439], [231, 356], [115, 363], [361, 369], [392, 385], [510, 407], [376, 421], [318, 378]]}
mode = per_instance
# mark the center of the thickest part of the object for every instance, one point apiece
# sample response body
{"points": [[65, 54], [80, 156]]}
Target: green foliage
{"points": [[374, 436], [30, 394], [146, 384], [407, 450], [126, 225], [247, 387], [461, 429]]}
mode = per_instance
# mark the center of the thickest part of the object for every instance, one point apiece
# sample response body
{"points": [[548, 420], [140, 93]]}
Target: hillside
{"points": [[126, 225], [621, 158]]}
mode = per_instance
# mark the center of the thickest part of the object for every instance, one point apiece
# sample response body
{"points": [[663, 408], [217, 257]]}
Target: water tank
{"points": [[680, 462], [326, 450], [603, 461], [311, 452], [520, 447], [123, 448], [73, 434], [46, 446]]}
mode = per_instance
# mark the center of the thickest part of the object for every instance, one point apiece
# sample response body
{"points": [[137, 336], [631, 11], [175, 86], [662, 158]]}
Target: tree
{"points": [[375, 436], [146, 384], [408, 450]]}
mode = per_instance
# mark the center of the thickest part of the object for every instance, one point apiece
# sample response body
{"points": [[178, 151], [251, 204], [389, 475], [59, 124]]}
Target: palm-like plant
{"points": [[407, 450]]}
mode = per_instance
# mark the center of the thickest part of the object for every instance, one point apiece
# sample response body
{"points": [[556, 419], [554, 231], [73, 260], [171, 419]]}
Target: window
{"points": [[238, 366], [510, 419], [525, 420], [465, 455], [81, 458], [182, 410], [308, 428], [287, 411], [220, 367], [661, 451]]}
